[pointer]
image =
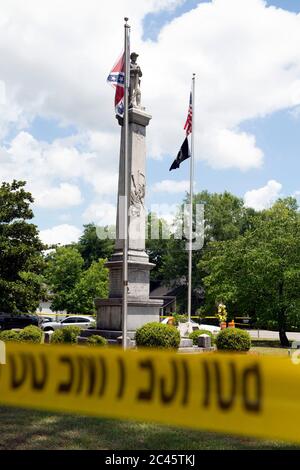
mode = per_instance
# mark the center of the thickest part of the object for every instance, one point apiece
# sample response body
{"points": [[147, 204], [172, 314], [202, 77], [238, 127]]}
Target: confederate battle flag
{"points": [[116, 78]]}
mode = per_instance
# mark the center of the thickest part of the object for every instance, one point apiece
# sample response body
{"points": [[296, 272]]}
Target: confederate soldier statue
{"points": [[135, 75]]}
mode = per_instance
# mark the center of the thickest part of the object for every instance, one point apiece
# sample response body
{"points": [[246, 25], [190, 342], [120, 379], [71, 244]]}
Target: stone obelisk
{"points": [[141, 309]]}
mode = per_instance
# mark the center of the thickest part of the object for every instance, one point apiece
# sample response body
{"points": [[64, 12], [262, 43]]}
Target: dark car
{"points": [[9, 321]]}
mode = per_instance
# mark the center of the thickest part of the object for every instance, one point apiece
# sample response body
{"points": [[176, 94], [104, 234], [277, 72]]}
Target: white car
{"points": [[45, 319], [82, 322], [212, 328], [196, 326]]}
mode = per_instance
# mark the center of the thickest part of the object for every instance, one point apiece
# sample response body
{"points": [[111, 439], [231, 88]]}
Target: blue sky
{"points": [[290, 5], [60, 130]]}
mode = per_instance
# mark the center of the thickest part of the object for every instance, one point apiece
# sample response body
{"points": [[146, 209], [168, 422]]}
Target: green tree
{"points": [[225, 215], [157, 242], [258, 273], [92, 248], [21, 260], [74, 289], [225, 218], [92, 284], [63, 272]]}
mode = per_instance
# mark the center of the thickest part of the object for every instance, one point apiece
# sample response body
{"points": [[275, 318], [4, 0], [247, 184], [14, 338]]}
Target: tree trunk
{"points": [[282, 321], [283, 338], [282, 328]]}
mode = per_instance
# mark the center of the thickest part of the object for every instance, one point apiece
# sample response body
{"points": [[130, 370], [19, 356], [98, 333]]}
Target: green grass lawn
{"points": [[34, 430], [271, 351], [270, 343], [268, 347]]}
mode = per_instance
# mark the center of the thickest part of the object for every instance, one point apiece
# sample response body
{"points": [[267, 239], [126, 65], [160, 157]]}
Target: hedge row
{"points": [[30, 334], [151, 335], [33, 334], [233, 339], [158, 335]]}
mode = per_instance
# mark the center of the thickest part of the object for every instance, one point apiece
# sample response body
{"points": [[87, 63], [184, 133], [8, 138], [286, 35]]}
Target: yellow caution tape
{"points": [[65, 315], [193, 316], [243, 394]]}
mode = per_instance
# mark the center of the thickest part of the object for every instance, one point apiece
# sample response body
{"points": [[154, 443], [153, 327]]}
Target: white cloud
{"points": [[67, 51], [101, 214], [295, 112], [60, 72], [296, 195], [65, 217], [61, 234], [168, 212], [264, 197], [171, 186], [11, 114], [66, 195], [52, 169], [224, 148], [246, 57]]}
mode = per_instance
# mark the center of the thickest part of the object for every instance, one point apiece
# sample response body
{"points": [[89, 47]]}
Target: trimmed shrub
{"points": [[157, 335], [9, 336], [233, 339], [96, 340], [66, 335], [57, 337], [31, 334], [194, 336]]}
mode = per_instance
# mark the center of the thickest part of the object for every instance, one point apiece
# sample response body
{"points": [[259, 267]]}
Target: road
{"points": [[265, 334]]}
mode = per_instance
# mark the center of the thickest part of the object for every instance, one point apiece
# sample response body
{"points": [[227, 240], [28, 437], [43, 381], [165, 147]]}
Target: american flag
{"points": [[116, 78], [189, 122]]}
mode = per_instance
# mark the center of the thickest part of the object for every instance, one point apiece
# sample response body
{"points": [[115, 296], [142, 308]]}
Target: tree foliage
{"points": [[73, 288], [93, 284], [225, 218], [64, 267], [258, 273], [92, 248], [157, 243], [21, 260]]}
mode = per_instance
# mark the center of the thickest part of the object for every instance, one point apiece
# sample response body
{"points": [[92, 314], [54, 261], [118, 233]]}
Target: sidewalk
{"points": [[266, 334]]}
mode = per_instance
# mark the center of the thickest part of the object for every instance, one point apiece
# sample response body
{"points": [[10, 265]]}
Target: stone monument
{"points": [[141, 309]]}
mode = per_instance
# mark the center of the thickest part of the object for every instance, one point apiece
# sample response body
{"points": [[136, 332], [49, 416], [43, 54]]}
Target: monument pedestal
{"points": [[109, 317], [141, 309]]}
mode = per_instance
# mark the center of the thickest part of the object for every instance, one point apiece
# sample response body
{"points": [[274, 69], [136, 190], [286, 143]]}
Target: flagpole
{"points": [[191, 206], [126, 186]]}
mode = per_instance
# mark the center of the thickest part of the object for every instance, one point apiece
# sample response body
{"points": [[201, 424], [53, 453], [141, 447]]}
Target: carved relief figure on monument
{"points": [[137, 195], [135, 82]]}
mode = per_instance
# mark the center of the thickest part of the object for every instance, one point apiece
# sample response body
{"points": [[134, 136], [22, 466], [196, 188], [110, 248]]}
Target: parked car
{"points": [[8, 321], [82, 322], [45, 319], [212, 328], [196, 326]]}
